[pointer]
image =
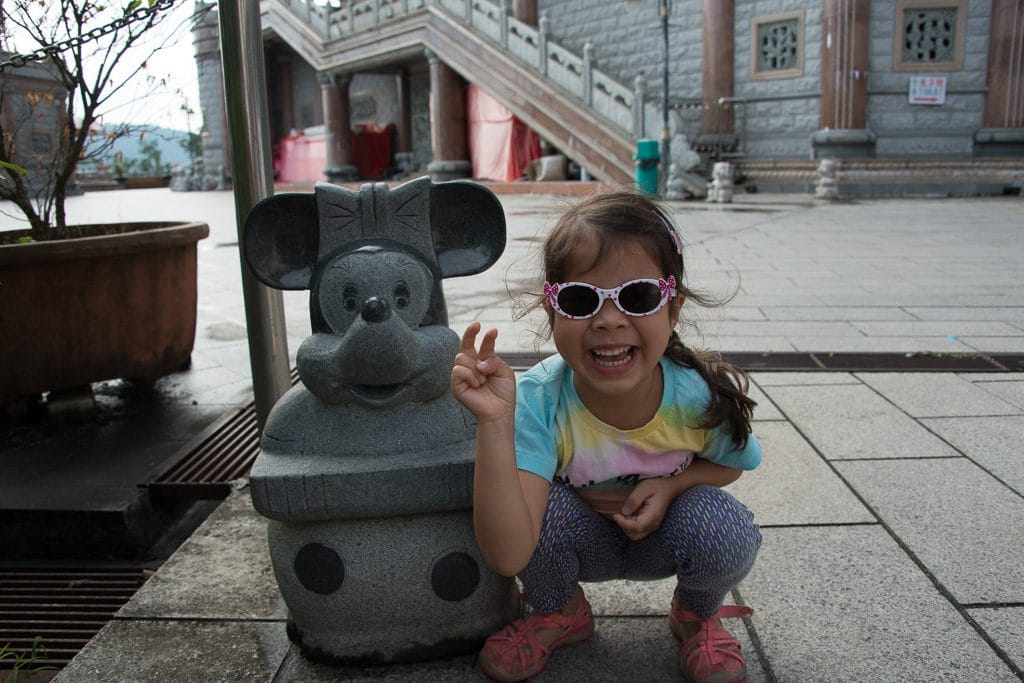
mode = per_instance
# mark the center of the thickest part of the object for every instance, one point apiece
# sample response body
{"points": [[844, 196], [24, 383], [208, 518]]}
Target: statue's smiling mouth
{"points": [[377, 394]]}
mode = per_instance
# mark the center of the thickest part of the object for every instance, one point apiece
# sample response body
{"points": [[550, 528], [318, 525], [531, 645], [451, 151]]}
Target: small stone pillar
{"points": [[337, 127], [404, 158], [447, 123], [720, 188], [365, 472], [827, 186]]}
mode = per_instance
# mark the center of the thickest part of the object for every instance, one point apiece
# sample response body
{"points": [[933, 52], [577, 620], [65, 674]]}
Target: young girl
{"points": [[606, 462]]}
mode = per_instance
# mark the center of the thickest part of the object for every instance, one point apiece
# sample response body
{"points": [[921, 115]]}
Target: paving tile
{"points": [[995, 344], [765, 409], [824, 611], [936, 394], [727, 344], [779, 379], [835, 313], [1005, 626], [222, 571], [847, 421], [992, 442], [964, 525], [1010, 391], [142, 650], [794, 485], [955, 328], [862, 344], [1012, 314]]}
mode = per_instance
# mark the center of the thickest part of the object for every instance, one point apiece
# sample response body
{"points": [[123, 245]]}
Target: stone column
{"points": [[403, 138], [844, 81], [337, 127], [1002, 132], [447, 123], [525, 11], [718, 69], [216, 169]]}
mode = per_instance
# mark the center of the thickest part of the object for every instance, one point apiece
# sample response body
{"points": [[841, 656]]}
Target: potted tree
{"points": [[81, 303]]}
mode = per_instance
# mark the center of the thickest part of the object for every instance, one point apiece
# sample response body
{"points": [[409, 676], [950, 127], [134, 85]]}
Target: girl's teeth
{"points": [[611, 358]]}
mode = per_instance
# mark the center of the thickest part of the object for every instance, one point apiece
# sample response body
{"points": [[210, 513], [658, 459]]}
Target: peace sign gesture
{"points": [[481, 380]]}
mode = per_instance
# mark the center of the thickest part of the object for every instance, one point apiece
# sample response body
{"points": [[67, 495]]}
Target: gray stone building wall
{"points": [[776, 117], [627, 39], [905, 129]]}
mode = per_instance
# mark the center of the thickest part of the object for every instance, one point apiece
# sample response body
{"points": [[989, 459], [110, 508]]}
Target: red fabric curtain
{"points": [[500, 145]]}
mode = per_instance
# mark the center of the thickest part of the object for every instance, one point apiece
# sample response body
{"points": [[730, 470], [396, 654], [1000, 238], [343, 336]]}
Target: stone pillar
{"points": [[403, 152], [718, 69], [1002, 132], [447, 123], [285, 93], [525, 11], [844, 81], [337, 127], [216, 168]]}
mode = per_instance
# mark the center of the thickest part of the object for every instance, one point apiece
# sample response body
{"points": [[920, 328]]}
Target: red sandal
{"points": [[712, 654], [515, 654]]}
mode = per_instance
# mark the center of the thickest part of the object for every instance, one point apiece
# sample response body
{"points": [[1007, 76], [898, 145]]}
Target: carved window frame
{"points": [[756, 23], [959, 35]]}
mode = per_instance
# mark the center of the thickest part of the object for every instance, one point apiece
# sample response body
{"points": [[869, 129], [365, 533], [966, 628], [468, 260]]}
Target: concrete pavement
{"points": [[892, 503]]}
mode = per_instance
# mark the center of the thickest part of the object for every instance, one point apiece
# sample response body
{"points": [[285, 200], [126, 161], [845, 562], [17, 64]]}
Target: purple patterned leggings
{"points": [[708, 539]]}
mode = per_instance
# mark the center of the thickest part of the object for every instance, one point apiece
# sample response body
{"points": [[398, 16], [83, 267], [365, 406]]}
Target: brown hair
{"points": [[619, 217]]}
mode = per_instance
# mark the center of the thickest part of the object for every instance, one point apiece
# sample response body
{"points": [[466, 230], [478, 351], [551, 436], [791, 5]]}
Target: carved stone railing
{"points": [[577, 75]]}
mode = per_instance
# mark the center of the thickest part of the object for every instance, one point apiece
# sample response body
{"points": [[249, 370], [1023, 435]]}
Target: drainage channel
{"points": [[49, 613]]}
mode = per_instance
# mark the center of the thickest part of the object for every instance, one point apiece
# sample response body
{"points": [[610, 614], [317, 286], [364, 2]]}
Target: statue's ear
{"points": [[280, 240], [468, 226]]}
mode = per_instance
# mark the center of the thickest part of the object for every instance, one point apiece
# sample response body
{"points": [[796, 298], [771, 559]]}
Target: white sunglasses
{"points": [[637, 298]]}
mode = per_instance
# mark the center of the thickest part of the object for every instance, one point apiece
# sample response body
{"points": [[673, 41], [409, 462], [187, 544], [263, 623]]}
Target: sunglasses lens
{"points": [[639, 298], [577, 301]]}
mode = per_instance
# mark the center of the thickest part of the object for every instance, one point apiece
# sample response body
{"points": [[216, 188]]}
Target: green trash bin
{"points": [[646, 161]]}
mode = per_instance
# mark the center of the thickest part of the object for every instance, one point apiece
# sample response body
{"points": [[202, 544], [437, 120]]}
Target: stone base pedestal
{"points": [[440, 171], [843, 144], [999, 142]]}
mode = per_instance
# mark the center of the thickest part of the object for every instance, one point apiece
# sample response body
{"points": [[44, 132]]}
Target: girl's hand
{"points": [[481, 380], [645, 507]]}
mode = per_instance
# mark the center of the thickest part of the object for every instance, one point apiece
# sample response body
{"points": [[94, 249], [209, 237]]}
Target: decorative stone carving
{"points": [[828, 180], [366, 466]]}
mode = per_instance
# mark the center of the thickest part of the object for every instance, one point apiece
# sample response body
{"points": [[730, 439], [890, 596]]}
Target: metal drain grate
{"points": [[206, 467], [64, 607]]}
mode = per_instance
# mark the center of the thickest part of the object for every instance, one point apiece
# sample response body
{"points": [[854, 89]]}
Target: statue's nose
{"points": [[375, 310]]}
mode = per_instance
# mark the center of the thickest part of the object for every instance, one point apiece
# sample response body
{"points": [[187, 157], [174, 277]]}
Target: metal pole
{"points": [[245, 95], [666, 140]]}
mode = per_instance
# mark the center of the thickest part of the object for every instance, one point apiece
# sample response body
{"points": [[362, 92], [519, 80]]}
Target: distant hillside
{"points": [[167, 140]]}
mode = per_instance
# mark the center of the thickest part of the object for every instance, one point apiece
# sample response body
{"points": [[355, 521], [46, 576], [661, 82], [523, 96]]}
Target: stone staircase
{"points": [[590, 117]]}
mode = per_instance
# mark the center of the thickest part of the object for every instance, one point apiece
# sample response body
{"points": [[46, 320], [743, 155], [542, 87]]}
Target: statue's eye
{"points": [[402, 295], [349, 296]]}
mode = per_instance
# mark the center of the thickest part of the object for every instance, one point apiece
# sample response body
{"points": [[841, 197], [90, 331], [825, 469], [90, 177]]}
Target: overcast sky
{"points": [[138, 102]]}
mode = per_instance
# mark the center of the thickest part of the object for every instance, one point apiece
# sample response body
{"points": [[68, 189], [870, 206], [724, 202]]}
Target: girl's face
{"points": [[615, 356]]}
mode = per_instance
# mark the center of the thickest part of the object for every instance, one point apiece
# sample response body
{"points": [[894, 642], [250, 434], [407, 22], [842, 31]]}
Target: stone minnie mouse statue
{"points": [[366, 466]]}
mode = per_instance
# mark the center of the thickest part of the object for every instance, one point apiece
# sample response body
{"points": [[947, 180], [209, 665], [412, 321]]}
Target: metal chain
{"points": [[46, 51]]}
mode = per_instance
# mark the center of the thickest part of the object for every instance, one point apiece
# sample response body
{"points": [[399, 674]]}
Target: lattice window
{"points": [[777, 46], [929, 35]]}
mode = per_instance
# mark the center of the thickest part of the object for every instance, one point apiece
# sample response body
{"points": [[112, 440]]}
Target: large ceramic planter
{"points": [[97, 307]]}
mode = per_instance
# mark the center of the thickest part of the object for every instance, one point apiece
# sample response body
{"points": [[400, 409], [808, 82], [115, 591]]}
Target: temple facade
{"points": [[908, 96]]}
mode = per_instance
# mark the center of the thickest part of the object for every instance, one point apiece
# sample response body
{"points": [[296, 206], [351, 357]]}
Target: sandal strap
{"points": [[520, 636]]}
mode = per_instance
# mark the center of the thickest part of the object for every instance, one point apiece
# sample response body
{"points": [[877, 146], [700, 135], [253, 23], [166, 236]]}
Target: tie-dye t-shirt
{"points": [[557, 437]]}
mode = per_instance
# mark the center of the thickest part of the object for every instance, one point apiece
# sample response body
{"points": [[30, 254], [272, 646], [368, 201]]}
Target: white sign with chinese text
{"points": [[927, 89]]}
